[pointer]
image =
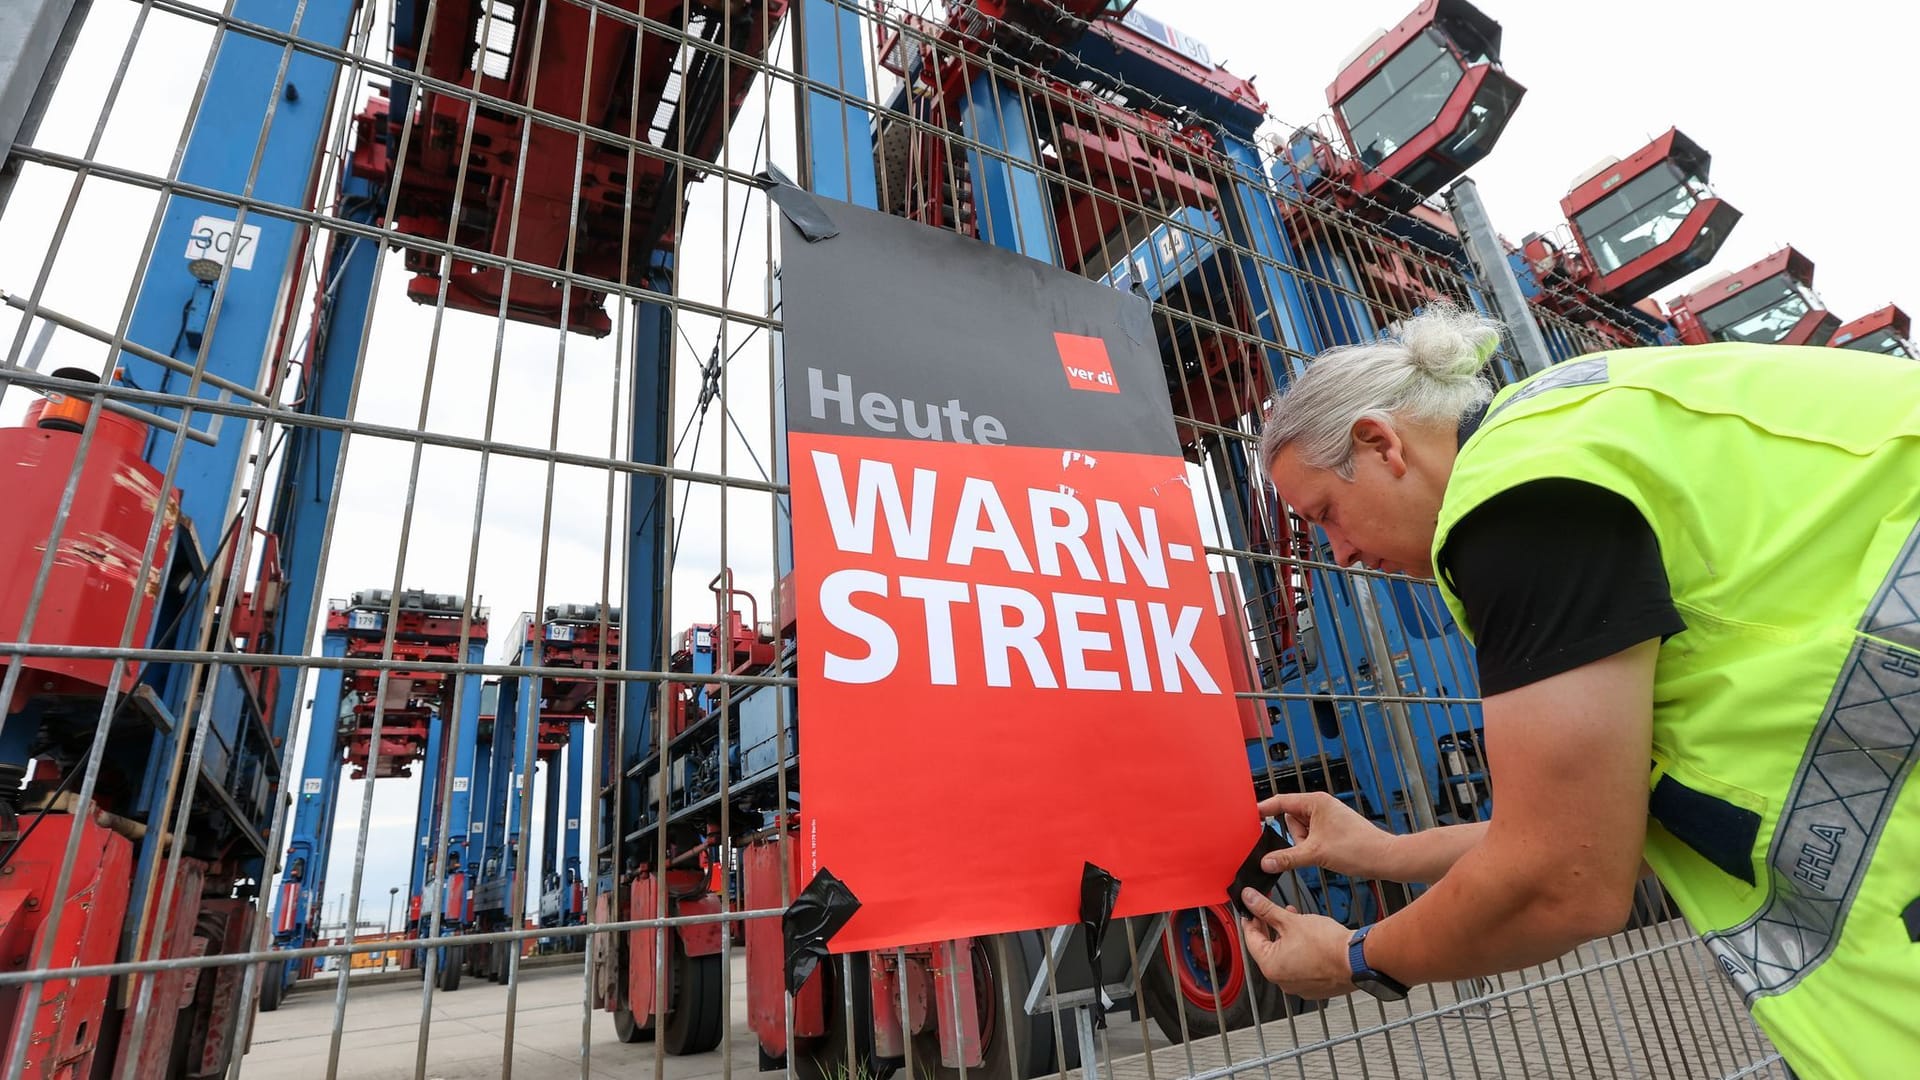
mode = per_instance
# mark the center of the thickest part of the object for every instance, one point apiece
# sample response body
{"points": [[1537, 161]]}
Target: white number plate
{"points": [[212, 237]]}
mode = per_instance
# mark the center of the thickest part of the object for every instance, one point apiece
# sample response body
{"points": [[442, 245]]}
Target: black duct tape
{"points": [[1099, 892], [802, 209], [818, 913], [1251, 875]]}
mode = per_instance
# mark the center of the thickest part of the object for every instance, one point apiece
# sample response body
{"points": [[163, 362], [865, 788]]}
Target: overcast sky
{"points": [[1809, 118]]}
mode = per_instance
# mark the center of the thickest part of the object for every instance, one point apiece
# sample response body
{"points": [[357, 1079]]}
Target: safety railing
{"points": [[446, 302]]}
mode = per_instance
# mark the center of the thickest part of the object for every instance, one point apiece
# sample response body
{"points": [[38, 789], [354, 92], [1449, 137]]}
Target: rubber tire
{"points": [[1032, 1036], [770, 1062], [273, 987], [627, 1031], [693, 1020], [825, 1057], [1162, 999], [447, 978]]}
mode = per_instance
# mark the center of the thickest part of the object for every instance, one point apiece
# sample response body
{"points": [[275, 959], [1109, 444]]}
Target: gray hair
{"points": [[1426, 368]]}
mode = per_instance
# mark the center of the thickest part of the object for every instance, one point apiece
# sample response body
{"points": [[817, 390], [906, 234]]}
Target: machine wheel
{"points": [[693, 1020], [1203, 975], [1003, 969], [498, 961], [272, 986], [825, 1058], [627, 1030], [448, 977]]}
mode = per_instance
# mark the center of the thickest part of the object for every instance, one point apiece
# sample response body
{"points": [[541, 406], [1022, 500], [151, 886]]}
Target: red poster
{"points": [[1011, 661]]}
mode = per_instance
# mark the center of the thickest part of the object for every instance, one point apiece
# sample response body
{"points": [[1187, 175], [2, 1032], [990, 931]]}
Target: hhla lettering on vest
{"points": [[1103, 545], [884, 415]]}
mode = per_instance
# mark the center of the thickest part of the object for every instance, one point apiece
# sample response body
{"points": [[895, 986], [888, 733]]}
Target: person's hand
{"points": [[1329, 834], [1304, 955]]}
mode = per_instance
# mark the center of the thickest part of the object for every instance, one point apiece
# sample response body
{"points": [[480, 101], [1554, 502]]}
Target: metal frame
{"points": [[1287, 246]]}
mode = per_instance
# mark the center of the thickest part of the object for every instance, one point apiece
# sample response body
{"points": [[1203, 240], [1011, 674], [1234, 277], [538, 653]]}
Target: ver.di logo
{"points": [[1086, 363]]}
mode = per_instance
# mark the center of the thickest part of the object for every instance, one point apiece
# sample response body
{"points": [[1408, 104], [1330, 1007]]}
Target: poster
{"points": [[1011, 661]]}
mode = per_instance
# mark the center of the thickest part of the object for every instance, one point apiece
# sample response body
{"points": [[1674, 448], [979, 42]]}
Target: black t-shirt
{"points": [[1554, 574]]}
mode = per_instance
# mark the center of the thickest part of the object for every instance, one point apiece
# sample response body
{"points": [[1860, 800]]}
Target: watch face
{"points": [[1380, 988]]}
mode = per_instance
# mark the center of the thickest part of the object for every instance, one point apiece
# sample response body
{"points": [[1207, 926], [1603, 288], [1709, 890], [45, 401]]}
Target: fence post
{"points": [[1491, 267]]}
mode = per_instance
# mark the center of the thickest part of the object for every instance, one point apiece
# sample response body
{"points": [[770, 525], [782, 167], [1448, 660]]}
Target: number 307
{"points": [[220, 241], [214, 238]]}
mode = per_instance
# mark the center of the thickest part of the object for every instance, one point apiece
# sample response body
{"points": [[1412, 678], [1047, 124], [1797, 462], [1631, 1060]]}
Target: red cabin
{"points": [[1771, 302], [1888, 330], [1420, 103], [1646, 222]]}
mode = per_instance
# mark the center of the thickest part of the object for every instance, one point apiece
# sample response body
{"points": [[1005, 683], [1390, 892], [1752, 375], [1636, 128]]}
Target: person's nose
{"points": [[1343, 553]]}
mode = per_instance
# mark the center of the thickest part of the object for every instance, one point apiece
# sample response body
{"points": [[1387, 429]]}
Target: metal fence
{"points": [[387, 449]]}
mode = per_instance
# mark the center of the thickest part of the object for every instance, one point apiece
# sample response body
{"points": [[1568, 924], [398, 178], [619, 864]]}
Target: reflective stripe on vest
{"points": [[1590, 371], [1861, 753]]}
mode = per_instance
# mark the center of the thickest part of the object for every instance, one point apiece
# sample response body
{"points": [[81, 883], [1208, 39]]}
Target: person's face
{"points": [[1383, 518]]}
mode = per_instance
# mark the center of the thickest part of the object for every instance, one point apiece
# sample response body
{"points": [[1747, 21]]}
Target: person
{"points": [[1692, 578]]}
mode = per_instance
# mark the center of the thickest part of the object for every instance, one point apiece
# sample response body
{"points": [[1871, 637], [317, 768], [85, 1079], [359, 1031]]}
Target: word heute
{"points": [[887, 416], [1011, 622]]}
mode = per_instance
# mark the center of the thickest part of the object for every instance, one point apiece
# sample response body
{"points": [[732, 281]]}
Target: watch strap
{"points": [[1364, 974]]}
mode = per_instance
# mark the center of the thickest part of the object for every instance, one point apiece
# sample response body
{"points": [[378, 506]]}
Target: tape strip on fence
{"points": [[800, 207], [818, 913], [1251, 874], [1099, 892]]}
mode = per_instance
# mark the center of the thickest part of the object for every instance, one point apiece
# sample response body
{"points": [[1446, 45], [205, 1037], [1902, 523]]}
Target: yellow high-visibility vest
{"points": [[1783, 485]]}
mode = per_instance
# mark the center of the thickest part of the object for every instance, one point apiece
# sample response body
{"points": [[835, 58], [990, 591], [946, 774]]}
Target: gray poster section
{"points": [[964, 331]]}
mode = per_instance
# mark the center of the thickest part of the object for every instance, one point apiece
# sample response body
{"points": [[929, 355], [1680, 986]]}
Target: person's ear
{"points": [[1374, 437]]}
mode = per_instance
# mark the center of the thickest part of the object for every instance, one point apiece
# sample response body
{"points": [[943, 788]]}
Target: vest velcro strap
{"points": [[1720, 832], [1911, 917]]}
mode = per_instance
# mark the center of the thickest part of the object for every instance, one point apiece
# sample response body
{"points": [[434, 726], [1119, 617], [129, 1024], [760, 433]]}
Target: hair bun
{"points": [[1448, 343]]}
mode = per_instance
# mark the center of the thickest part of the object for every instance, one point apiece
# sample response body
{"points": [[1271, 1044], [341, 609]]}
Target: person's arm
{"points": [[1562, 854], [1424, 857], [1556, 866], [1330, 834]]}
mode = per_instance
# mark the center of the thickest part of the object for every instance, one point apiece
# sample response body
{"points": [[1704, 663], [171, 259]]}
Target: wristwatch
{"points": [[1379, 984]]}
